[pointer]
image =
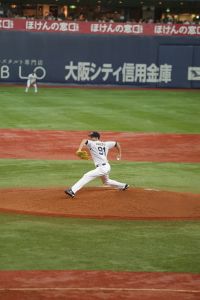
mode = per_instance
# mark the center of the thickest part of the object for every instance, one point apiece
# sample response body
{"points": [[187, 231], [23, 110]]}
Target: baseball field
{"points": [[143, 243]]}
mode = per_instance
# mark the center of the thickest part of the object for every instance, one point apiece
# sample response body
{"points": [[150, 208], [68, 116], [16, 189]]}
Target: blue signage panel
{"points": [[179, 57], [140, 61]]}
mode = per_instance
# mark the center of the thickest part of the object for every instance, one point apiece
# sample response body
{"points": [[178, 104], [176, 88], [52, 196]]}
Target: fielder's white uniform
{"points": [[31, 81], [99, 151]]}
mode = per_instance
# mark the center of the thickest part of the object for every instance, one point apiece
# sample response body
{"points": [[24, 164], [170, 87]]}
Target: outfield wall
{"points": [[141, 61]]}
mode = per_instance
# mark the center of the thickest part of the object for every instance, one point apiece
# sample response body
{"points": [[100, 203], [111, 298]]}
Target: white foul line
{"points": [[96, 289]]}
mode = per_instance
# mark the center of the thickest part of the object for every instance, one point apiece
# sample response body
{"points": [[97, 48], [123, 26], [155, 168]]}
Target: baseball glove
{"points": [[82, 154]]}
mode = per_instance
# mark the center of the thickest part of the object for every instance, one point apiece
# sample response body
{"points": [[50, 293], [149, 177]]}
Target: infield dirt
{"points": [[60, 144]]}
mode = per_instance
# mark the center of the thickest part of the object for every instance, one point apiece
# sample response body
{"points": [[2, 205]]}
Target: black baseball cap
{"points": [[94, 134]]}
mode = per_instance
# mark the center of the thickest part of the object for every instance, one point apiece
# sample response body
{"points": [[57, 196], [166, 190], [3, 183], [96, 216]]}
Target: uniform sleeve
{"points": [[110, 144], [87, 143]]}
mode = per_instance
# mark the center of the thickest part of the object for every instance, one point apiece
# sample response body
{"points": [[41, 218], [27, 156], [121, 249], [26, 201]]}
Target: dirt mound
{"points": [[102, 203]]}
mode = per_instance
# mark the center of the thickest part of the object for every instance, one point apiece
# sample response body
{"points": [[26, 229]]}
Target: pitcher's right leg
{"points": [[122, 186]]}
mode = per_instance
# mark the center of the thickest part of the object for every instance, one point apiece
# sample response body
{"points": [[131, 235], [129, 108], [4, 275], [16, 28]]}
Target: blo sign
{"points": [[6, 72]]}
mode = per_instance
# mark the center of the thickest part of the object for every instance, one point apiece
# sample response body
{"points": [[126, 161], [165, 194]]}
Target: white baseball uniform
{"points": [[99, 151], [31, 81]]}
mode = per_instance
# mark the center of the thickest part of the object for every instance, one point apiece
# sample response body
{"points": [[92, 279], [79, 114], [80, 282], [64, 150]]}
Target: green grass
{"points": [[100, 109], [48, 173], [28, 243], [35, 243]]}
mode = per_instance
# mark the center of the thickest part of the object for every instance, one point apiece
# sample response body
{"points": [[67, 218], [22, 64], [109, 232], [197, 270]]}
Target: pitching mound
{"points": [[102, 203]]}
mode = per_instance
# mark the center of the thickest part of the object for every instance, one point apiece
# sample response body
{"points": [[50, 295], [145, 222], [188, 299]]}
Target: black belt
{"points": [[100, 165]]}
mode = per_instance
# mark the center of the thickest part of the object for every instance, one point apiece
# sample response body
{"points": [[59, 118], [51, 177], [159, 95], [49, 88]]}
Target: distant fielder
{"points": [[99, 151], [32, 80]]}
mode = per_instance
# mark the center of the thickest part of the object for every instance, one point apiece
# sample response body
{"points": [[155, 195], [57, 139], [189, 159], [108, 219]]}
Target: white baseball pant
{"points": [[29, 84], [101, 171]]}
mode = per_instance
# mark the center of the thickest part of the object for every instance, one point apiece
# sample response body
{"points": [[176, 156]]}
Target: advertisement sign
{"points": [[100, 27], [136, 61]]}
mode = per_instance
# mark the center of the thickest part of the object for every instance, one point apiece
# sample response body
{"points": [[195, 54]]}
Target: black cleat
{"points": [[70, 193], [126, 187]]}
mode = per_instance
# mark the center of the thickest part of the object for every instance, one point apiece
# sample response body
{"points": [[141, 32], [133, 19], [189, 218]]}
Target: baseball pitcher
{"points": [[98, 151]]}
